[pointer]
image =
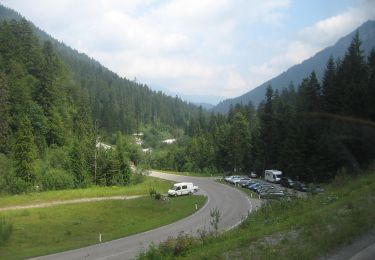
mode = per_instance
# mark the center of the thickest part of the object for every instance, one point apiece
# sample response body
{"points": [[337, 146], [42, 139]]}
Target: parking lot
{"points": [[267, 190]]}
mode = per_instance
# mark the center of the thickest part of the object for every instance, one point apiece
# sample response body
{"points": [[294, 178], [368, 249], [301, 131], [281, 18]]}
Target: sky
{"points": [[201, 50]]}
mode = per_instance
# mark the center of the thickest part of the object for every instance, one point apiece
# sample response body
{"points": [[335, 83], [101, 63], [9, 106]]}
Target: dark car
{"points": [[253, 186], [300, 186], [287, 182]]}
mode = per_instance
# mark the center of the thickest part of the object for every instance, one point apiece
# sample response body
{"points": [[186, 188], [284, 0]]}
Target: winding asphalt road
{"points": [[234, 206]]}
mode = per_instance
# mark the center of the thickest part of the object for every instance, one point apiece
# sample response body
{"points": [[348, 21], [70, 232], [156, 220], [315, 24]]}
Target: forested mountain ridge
{"points": [[55, 102], [117, 104], [297, 72]]}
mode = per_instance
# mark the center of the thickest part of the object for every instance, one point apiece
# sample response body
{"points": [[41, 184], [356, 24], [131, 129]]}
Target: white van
{"points": [[182, 188], [272, 175]]}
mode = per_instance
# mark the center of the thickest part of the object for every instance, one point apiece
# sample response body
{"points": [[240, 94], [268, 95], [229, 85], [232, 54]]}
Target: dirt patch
{"points": [[64, 202]]}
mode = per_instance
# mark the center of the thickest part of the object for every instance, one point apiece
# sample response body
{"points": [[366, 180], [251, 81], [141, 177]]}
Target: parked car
{"points": [[272, 194], [228, 178], [253, 186], [253, 175], [272, 175], [237, 181], [182, 188], [287, 182], [265, 188], [245, 183], [300, 186]]}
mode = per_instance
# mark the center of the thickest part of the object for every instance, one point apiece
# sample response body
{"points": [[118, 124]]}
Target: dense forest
{"points": [[311, 132], [53, 107]]}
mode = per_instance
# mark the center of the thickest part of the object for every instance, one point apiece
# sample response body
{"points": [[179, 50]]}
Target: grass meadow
{"points": [[48, 230]]}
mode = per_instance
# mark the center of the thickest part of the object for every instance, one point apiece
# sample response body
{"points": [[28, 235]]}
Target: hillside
{"points": [[54, 105], [117, 104], [296, 73]]}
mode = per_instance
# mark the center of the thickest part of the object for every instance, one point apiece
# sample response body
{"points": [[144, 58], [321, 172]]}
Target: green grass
{"points": [[305, 227], [48, 230], [137, 189]]}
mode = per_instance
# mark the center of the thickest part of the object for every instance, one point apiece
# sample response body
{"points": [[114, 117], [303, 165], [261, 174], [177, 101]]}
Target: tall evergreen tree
{"points": [[352, 74], [5, 117], [330, 88], [267, 121], [371, 85], [24, 151], [78, 165], [239, 142]]}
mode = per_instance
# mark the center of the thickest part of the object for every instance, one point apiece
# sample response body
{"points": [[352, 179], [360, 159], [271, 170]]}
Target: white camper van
{"points": [[272, 175], [182, 188]]}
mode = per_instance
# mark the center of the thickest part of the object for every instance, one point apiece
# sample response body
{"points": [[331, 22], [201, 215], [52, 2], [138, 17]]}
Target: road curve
{"points": [[234, 206]]}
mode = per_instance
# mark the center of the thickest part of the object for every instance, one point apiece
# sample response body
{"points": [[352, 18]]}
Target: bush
{"points": [[176, 246], [6, 229], [58, 157], [16, 185], [6, 173], [57, 179]]}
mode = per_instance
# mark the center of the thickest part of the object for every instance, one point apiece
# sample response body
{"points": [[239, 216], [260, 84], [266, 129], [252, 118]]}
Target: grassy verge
{"points": [[309, 227], [48, 230], [136, 189]]}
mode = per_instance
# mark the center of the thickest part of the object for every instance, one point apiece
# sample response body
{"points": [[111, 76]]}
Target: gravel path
{"points": [[64, 202]]}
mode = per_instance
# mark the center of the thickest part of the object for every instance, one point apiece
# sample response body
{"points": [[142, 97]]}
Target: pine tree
{"points": [[24, 151], [5, 117], [371, 85], [122, 165], [329, 91], [352, 74], [78, 164], [239, 145], [267, 135]]}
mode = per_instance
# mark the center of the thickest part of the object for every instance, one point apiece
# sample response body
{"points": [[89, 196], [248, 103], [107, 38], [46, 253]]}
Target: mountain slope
{"points": [[297, 72], [116, 103]]}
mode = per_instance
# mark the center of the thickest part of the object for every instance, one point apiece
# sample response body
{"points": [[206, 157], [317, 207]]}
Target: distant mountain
{"points": [[296, 73], [204, 105]]}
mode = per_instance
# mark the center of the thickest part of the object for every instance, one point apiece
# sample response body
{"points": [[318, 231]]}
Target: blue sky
{"points": [[201, 50]]}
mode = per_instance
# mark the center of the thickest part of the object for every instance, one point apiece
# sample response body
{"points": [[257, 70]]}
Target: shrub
{"points": [[6, 229], [58, 157], [152, 193], [158, 196], [16, 185], [176, 246], [6, 173], [57, 179]]}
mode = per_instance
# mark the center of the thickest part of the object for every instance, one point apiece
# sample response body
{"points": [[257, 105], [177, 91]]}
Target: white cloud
{"points": [[189, 46], [311, 40], [326, 32], [235, 84]]}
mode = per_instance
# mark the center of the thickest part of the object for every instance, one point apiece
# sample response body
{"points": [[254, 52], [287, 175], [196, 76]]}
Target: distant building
{"points": [[138, 141], [104, 146], [147, 150], [169, 141]]}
